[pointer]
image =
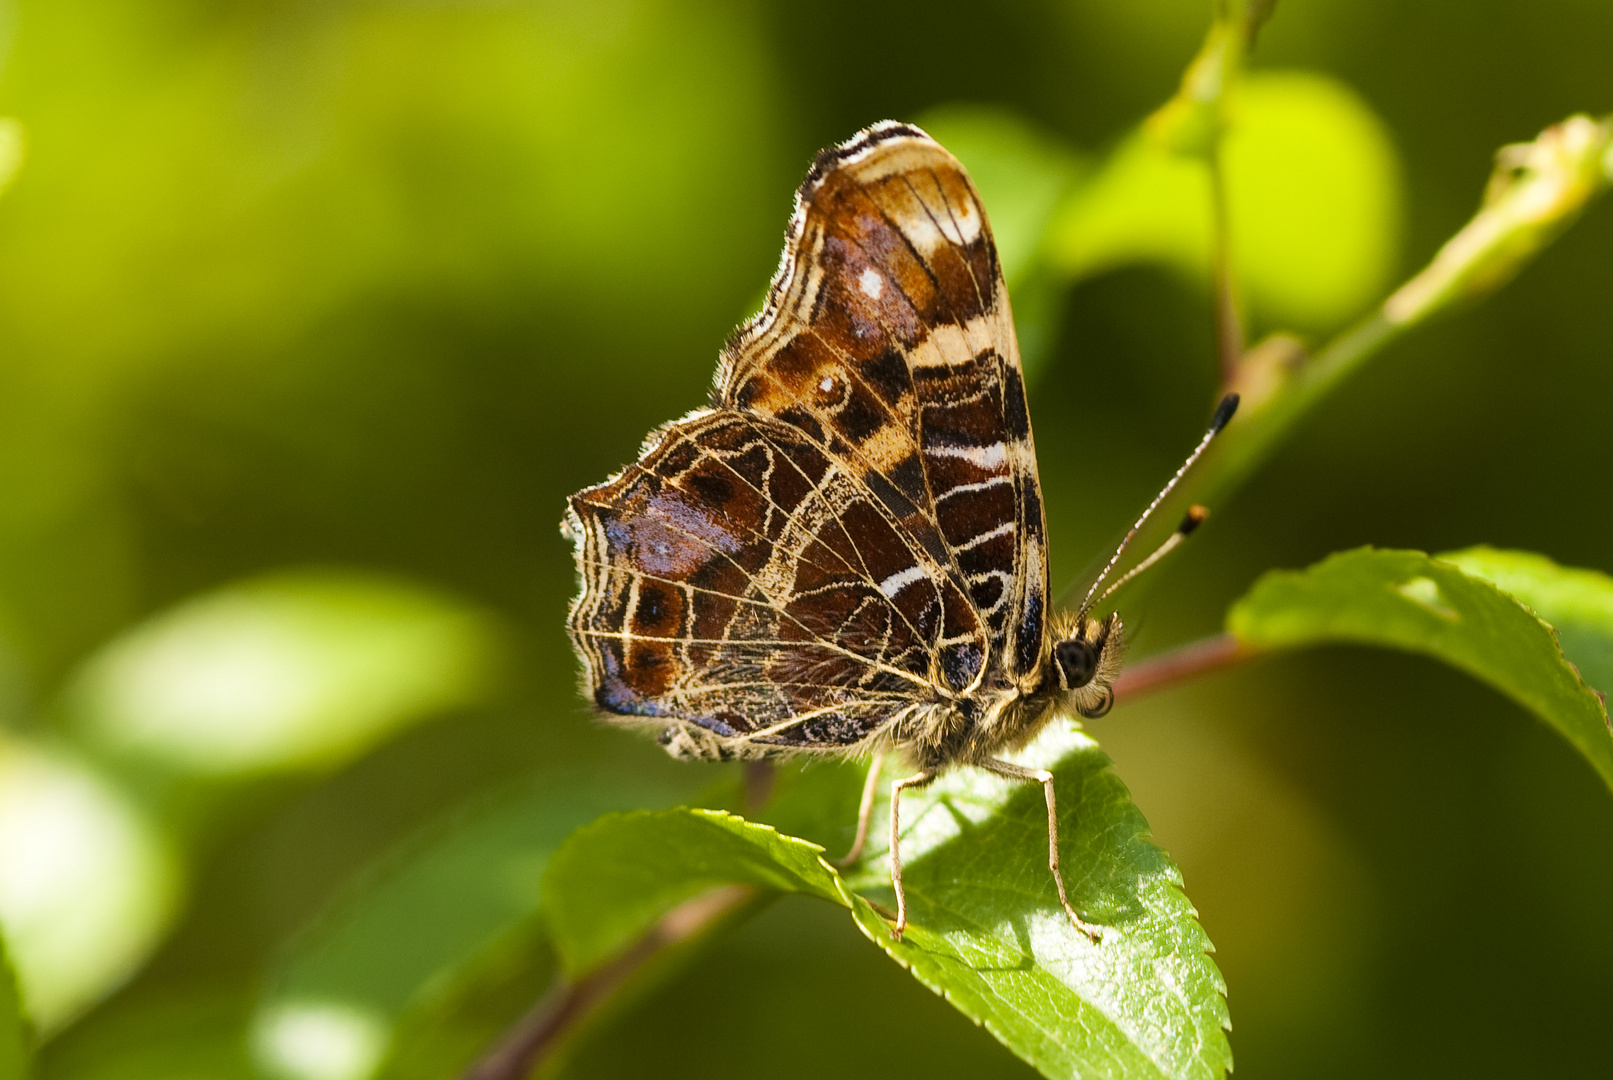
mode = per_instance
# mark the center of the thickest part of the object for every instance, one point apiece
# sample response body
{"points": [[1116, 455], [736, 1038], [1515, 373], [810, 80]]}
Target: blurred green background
{"points": [[311, 314]]}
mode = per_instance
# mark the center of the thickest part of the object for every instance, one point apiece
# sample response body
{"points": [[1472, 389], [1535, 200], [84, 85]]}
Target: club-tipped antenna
{"points": [[1195, 515], [1223, 414]]}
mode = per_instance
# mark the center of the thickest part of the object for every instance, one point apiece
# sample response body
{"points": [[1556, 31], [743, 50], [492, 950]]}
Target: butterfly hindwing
{"points": [[738, 579]]}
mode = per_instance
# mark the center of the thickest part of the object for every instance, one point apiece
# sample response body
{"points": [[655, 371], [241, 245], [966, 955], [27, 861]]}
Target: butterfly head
{"points": [[1085, 660]]}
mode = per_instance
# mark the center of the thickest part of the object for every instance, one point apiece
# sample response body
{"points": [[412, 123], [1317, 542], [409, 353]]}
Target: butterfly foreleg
{"points": [[1042, 776], [917, 780], [865, 810]]}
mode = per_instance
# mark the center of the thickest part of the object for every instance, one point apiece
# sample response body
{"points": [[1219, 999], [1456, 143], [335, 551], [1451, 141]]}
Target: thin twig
{"points": [[1179, 665], [539, 1033], [1228, 322], [756, 785]]}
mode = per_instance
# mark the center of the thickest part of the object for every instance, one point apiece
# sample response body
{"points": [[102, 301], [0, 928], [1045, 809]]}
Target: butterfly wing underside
{"points": [[854, 532]]}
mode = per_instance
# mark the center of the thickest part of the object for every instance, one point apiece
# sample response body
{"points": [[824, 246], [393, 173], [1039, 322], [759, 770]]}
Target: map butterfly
{"points": [[846, 554]]}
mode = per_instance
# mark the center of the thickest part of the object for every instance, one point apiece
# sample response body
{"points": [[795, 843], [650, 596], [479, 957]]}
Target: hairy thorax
{"points": [[1003, 719]]}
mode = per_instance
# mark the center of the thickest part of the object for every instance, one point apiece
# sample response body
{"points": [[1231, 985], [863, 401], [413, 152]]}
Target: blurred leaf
{"points": [[1536, 191], [1313, 190], [11, 150], [86, 886], [193, 1034], [1141, 204], [1577, 603], [15, 1041], [1407, 600], [467, 1008], [987, 932], [294, 670], [452, 916]]}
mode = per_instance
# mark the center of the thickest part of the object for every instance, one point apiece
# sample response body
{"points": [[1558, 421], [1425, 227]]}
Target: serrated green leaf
{"points": [[15, 1041], [1577, 603], [986, 931], [1408, 600]]}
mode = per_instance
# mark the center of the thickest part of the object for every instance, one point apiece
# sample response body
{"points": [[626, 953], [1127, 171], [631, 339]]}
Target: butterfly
{"points": [[845, 554]]}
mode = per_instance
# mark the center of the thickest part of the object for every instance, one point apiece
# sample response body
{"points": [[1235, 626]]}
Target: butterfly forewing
{"points": [[856, 528]]}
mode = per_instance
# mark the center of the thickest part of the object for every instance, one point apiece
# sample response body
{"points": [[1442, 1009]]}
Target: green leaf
{"points": [[159, 1033], [1577, 603], [12, 150], [986, 930], [1313, 195], [289, 671], [380, 982], [87, 885], [1141, 204], [615, 877], [1408, 600], [15, 1041]]}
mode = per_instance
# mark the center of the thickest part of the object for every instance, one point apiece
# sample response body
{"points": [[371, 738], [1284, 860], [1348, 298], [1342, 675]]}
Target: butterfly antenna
{"points": [[1195, 515], [1223, 414]]}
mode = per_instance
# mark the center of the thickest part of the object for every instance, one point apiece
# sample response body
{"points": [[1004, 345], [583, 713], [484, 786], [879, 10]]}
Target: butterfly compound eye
{"points": [[1077, 661]]}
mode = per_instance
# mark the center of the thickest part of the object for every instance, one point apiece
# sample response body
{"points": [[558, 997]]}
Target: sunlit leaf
{"points": [[11, 150], [292, 670], [15, 1041], [1577, 603], [423, 931], [1142, 203], [86, 886], [1313, 192], [1408, 600], [986, 933]]}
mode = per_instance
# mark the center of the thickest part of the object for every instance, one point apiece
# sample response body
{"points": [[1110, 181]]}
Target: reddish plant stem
{"points": [[540, 1032], [1178, 665]]}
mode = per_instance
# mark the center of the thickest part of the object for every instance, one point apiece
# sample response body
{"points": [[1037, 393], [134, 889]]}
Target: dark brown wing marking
{"points": [[889, 342]]}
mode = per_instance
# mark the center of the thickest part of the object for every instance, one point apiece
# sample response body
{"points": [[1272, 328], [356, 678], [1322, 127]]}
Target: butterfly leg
{"points": [[865, 810], [1045, 778], [917, 780]]}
